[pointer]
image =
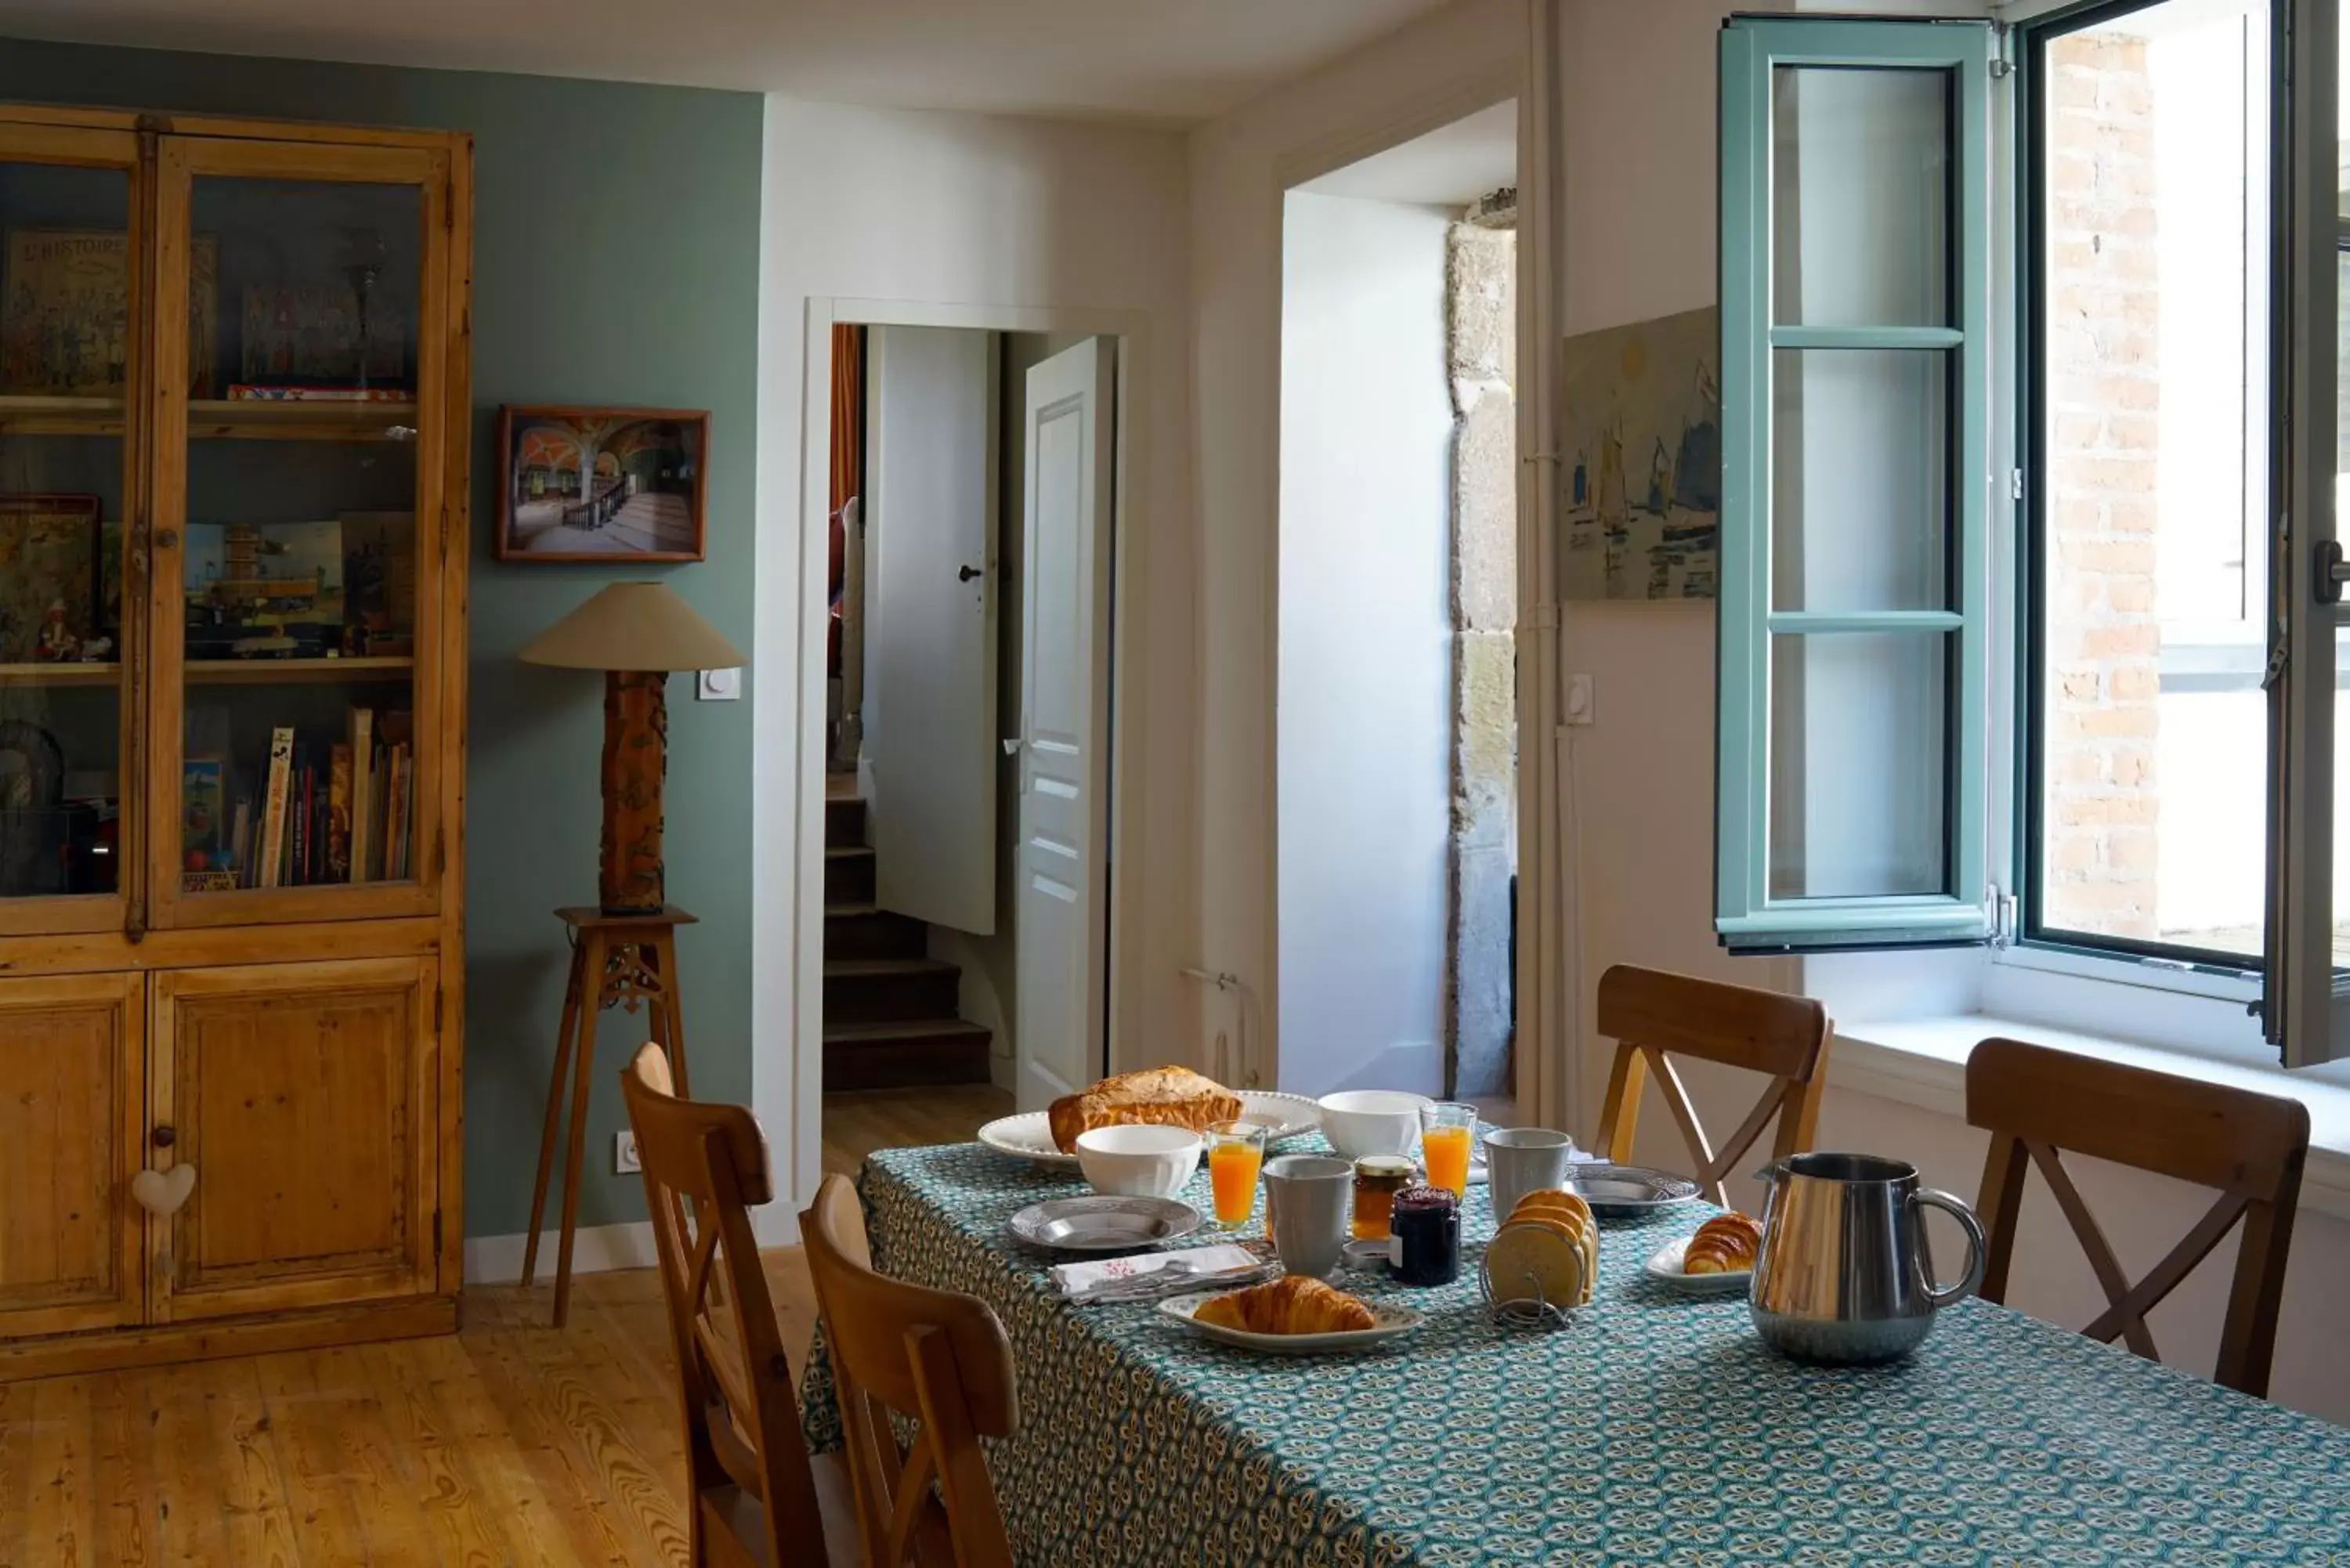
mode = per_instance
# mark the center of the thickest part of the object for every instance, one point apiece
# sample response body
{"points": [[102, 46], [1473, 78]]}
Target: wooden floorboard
{"points": [[509, 1445]]}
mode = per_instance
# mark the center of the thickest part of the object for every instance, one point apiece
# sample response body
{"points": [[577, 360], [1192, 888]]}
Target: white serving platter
{"points": [[1030, 1136], [1664, 1266], [1392, 1323]]}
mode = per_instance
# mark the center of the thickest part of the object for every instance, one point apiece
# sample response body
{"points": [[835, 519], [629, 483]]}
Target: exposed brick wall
{"points": [[2104, 395]]}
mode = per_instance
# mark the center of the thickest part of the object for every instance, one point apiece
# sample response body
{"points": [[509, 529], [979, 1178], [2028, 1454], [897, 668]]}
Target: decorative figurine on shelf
{"points": [[58, 643]]}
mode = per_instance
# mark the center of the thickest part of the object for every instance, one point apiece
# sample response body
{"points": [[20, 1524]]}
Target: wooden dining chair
{"points": [[2035, 1101], [938, 1361], [1654, 1016], [754, 1496]]}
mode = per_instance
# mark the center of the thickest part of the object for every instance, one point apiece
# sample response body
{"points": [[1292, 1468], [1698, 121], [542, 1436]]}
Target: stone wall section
{"points": [[1481, 342]]}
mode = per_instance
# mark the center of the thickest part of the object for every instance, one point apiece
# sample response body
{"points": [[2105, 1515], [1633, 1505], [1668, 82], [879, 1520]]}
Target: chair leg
{"points": [[673, 1006], [590, 1005], [554, 1112]]}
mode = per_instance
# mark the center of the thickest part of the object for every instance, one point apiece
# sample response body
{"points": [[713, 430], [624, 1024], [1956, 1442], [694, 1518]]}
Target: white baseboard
{"points": [[595, 1249]]}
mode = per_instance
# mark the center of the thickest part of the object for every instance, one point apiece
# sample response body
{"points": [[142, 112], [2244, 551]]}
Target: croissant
{"points": [[1294, 1303], [1725, 1244]]}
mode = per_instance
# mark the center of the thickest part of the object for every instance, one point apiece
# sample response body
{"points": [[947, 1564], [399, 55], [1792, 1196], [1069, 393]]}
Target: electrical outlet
{"points": [[624, 1154], [718, 686]]}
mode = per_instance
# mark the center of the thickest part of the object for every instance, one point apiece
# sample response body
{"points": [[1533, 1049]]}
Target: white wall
{"points": [[1638, 170], [1427, 75], [1365, 645], [1007, 214]]}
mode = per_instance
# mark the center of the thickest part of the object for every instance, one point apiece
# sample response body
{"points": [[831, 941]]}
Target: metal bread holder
{"points": [[1535, 1312]]}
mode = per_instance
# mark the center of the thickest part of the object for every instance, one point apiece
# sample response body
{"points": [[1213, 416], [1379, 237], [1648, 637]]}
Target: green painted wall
{"points": [[615, 261]]}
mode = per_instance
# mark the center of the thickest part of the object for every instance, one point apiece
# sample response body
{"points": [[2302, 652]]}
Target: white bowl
{"points": [[1360, 1122], [1139, 1161]]}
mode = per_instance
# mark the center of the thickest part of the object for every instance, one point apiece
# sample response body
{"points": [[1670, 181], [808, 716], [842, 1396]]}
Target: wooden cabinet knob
{"points": [[164, 1193], [166, 537], [164, 1136]]}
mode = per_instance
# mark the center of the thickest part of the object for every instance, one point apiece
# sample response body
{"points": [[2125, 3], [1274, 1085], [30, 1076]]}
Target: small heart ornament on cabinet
{"points": [[164, 1192]]}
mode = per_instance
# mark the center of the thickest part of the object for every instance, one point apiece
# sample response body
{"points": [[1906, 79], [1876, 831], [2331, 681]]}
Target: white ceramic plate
{"points": [[1665, 1267], [1030, 1137], [1100, 1224], [1392, 1321]]}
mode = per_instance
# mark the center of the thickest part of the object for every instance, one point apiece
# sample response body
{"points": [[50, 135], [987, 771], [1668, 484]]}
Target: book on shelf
{"points": [[395, 815], [274, 806], [241, 843], [362, 748], [338, 812]]}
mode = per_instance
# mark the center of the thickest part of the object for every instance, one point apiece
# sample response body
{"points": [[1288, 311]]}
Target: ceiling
{"points": [[1159, 61], [1450, 166]]}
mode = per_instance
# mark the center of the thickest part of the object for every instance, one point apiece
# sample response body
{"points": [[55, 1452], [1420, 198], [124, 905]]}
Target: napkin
{"points": [[1078, 1278]]}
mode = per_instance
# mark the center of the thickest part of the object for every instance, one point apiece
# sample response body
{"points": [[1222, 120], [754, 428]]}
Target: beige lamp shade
{"points": [[634, 625]]}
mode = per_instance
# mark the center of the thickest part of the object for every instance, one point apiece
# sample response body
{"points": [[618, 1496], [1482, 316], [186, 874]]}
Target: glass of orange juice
{"points": [[1236, 1157], [1445, 1131]]}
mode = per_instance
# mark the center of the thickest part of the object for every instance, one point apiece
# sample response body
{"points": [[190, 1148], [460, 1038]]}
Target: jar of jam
{"points": [[1427, 1246], [1378, 1178]]}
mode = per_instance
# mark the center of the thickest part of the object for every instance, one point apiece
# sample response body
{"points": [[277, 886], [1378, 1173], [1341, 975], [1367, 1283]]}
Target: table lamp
{"points": [[636, 633]]}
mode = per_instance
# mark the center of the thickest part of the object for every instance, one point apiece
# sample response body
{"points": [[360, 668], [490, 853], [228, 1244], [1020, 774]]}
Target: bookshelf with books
{"points": [[233, 573]]}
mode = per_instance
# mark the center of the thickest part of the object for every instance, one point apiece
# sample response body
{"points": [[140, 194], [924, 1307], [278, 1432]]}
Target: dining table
{"points": [[1654, 1428]]}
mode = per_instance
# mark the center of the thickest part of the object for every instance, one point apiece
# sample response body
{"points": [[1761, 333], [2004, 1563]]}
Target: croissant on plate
{"points": [[1725, 1244], [1294, 1303]]}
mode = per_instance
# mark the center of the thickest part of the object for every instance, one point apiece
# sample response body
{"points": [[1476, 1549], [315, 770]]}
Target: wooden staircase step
{"points": [[860, 931], [849, 875], [887, 989], [904, 1054], [844, 824]]}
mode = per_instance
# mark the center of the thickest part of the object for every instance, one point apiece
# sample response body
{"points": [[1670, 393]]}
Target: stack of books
{"points": [[327, 813]]}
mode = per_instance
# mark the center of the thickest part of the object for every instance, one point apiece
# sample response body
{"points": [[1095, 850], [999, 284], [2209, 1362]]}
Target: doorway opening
{"points": [[1397, 700], [965, 916]]}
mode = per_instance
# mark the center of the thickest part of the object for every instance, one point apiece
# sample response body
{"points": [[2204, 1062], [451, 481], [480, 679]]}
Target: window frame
{"points": [[1748, 919], [2179, 966]]}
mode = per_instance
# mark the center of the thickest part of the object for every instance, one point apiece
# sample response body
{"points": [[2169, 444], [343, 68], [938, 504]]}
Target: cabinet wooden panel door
{"points": [[72, 1094], [305, 1096]]}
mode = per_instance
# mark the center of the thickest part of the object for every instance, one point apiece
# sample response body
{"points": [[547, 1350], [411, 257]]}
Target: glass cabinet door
{"points": [[297, 604], [71, 366]]}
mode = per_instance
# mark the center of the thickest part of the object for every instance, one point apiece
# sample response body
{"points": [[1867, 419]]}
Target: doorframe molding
{"points": [[788, 1022]]}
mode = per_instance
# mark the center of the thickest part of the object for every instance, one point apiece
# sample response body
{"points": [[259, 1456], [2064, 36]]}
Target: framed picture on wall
{"points": [[601, 484]]}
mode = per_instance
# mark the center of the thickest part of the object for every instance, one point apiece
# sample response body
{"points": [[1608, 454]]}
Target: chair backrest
{"points": [[1653, 1016], [2035, 1101], [937, 1360], [704, 1166]]}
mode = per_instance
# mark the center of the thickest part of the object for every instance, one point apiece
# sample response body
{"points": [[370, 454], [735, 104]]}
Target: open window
{"points": [[2028, 623]]}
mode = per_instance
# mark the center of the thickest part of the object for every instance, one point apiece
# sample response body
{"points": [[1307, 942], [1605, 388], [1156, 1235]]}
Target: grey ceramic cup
{"points": [[1519, 1160], [1310, 1201]]}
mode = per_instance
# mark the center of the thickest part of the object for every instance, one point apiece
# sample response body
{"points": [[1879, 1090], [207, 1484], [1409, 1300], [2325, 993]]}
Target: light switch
{"points": [[1578, 700], [718, 685]]}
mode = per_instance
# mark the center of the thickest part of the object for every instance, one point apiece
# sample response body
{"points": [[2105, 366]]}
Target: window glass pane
{"points": [[1860, 492], [299, 561], [1859, 764], [1860, 197], [2154, 426], [67, 347]]}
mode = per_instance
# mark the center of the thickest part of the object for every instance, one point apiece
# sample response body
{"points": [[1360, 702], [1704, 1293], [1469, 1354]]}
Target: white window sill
{"points": [[1922, 1062]]}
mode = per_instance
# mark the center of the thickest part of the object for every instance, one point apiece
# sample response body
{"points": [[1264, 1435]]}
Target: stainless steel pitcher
{"points": [[1845, 1275]]}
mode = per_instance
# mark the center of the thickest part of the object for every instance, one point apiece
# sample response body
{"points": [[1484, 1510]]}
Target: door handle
{"points": [[1012, 746], [967, 572]]}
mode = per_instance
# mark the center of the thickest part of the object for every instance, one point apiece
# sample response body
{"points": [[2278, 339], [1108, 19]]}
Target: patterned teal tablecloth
{"points": [[1657, 1430]]}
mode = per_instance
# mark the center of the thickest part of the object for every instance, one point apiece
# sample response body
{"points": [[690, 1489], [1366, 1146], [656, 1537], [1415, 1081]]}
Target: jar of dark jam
{"points": [[1427, 1246]]}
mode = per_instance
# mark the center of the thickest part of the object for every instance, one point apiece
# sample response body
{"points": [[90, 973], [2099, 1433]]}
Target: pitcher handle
{"points": [[1939, 1297]]}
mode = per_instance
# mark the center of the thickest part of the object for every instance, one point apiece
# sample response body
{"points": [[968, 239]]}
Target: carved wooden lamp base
{"points": [[636, 762]]}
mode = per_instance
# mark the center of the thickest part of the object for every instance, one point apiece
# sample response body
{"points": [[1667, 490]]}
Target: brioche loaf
{"points": [[1168, 1096]]}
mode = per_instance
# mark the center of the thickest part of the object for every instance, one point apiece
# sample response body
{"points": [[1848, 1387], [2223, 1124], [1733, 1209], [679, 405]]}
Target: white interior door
{"points": [[1064, 722], [927, 767]]}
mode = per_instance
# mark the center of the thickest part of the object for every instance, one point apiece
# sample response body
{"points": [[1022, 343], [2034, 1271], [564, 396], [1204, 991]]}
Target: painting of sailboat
{"points": [[1641, 421]]}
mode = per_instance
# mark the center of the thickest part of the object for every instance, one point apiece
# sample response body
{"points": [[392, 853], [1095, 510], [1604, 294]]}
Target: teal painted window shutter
{"points": [[1854, 725]]}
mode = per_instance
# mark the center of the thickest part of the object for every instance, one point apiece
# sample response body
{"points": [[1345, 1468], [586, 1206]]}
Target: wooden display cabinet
{"points": [[234, 445]]}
